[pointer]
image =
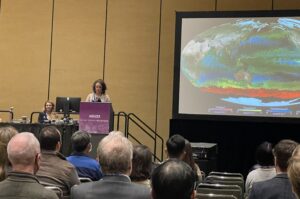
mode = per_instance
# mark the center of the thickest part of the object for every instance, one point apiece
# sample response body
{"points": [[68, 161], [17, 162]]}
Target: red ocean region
{"points": [[258, 93]]}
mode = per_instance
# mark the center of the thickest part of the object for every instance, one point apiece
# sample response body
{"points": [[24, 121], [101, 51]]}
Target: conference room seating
{"points": [[227, 180], [214, 196], [84, 180], [34, 117], [57, 191], [234, 190], [216, 173], [47, 181]]}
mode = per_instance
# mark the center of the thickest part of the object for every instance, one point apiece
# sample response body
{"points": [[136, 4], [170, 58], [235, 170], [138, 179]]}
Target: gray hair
{"points": [[115, 153], [22, 149]]}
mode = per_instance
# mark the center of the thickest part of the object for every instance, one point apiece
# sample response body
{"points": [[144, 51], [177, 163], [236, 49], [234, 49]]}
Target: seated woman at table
{"points": [[98, 94], [48, 113]]}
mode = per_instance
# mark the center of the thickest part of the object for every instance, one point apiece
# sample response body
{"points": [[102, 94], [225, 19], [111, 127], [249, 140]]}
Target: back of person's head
{"points": [[173, 179], [296, 152], [80, 141], [188, 157], [175, 146], [264, 154], [23, 150], [6, 133], [294, 174], [141, 163], [115, 154], [49, 138], [283, 150]]}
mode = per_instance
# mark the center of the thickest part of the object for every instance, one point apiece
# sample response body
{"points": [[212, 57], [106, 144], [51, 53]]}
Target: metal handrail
{"points": [[121, 114], [131, 117], [10, 112], [154, 136]]}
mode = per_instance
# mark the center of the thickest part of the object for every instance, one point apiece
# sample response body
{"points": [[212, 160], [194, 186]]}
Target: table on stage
{"points": [[66, 130]]}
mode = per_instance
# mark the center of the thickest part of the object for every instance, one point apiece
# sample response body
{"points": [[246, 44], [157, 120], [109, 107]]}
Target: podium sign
{"points": [[95, 117]]}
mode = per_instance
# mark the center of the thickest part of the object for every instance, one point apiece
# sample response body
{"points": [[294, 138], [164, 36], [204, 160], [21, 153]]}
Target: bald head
{"points": [[115, 154], [22, 150]]}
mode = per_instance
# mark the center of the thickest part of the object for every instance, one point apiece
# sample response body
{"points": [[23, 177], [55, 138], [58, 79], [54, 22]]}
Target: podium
{"points": [[96, 117]]}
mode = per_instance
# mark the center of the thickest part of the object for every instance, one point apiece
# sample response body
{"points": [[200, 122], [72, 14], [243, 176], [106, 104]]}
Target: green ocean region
{"points": [[246, 54]]}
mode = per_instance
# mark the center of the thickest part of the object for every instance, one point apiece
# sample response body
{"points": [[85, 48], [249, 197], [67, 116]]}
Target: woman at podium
{"points": [[98, 94], [48, 113]]}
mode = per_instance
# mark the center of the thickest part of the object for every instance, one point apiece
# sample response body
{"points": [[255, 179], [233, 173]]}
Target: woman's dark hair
{"points": [[264, 154], [141, 163], [102, 83], [188, 157]]}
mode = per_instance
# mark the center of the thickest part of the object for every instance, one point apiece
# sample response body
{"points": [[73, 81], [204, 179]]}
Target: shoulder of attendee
{"points": [[49, 194]]}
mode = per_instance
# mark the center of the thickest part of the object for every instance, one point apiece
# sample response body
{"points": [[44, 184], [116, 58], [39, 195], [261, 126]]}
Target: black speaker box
{"points": [[205, 155]]}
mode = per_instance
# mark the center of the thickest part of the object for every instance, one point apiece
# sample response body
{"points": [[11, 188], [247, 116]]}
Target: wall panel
{"points": [[78, 46], [131, 56], [165, 95], [24, 54], [286, 4], [244, 5]]}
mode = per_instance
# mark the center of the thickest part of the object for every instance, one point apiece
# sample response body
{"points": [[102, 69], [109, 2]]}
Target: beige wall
{"points": [[135, 58]]}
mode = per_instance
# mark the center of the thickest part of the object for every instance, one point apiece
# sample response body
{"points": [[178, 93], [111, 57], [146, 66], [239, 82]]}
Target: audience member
{"points": [[141, 165], [278, 187], [296, 152], [53, 163], [98, 94], [175, 147], [85, 165], [188, 158], [266, 169], [294, 174], [48, 113], [6, 133], [173, 179], [115, 157], [24, 154]]}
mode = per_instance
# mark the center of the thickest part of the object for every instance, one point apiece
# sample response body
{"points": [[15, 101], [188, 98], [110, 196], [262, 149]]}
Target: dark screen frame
{"points": [[177, 54], [73, 104]]}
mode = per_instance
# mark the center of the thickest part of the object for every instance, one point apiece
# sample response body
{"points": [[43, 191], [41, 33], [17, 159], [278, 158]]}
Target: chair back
{"points": [[227, 180], [84, 180], [57, 191], [52, 181], [234, 190], [214, 196], [34, 117], [216, 173]]}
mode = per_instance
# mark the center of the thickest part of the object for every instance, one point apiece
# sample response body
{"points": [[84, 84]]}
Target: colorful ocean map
{"points": [[251, 62]]}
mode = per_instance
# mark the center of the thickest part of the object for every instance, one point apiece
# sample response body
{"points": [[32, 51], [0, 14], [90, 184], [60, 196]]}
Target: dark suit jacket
{"points": [[111, 187], [42, 117], [278, 187]]}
